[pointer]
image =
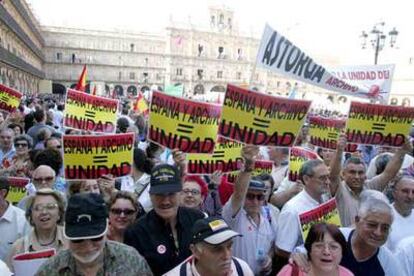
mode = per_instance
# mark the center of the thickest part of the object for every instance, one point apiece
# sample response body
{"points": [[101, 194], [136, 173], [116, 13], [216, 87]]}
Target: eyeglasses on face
{"points": [[92, 240], [23, 145], [253, 196], [42, 207], [43, 179], [191, 191], [332, 246], [126, 212]]}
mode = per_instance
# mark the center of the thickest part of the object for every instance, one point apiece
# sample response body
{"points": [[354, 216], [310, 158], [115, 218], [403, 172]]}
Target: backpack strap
{"points": [[238, 267], [183, 270]]}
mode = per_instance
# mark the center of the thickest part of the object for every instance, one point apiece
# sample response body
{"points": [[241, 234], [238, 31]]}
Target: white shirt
{"points": [[285, 185], [257, 239], [13, 225], [289, 233], [191, 269], [57, 118], [401, 228], [405, 254]]}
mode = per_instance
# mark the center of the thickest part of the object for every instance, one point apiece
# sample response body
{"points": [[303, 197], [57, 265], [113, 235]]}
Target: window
{"points": [[200, 49], [200, 73], [239, 54], [219, 74], [132, 47], [238, 75], [220, 52], [58, 56], [119, 75], [132, 76], [145, 74], [213, 20], [179, 72], [158, 76], [73, 58]]}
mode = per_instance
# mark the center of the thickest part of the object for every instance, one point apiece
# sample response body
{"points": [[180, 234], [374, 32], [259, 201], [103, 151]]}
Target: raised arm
{"points": [[241, 185], [335, 166]]}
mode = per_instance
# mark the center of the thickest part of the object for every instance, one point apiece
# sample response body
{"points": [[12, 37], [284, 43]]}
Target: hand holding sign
{"points": [[249, 154]]}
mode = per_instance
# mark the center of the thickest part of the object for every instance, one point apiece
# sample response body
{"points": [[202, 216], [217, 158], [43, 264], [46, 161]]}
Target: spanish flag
{"points": [[141, 105], [81, 85]]}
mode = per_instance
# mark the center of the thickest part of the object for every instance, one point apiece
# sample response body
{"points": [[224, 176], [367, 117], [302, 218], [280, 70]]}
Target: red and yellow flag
{"points": [[94, 91], [141, 105], [81, 85]]}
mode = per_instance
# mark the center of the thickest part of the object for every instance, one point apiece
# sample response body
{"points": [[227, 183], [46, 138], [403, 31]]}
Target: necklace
{"points": [[50, 243]]}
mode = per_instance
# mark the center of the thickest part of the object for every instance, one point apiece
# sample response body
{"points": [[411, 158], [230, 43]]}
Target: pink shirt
{"points": [[288, 269]]}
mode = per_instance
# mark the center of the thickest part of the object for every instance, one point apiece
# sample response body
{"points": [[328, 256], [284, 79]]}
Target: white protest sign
{"points": [[377, 76], [278, 54]]}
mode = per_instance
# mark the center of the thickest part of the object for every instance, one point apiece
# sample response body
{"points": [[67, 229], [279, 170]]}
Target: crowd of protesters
{"points": [[160, 220]]}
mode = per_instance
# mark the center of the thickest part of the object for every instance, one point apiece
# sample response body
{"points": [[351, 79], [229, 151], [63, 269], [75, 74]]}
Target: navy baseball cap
{"points": [[165, 179]]}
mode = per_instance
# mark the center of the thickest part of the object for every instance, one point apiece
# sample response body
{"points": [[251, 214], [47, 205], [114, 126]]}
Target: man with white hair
{"points": [[365, 253]]}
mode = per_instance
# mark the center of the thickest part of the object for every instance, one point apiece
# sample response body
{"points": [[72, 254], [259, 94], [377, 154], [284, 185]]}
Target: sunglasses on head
{"points": [[92, 240], [253, 196]]}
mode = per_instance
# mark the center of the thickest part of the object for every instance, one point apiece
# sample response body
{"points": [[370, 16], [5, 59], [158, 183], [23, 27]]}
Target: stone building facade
{"points": [[21, 47]]}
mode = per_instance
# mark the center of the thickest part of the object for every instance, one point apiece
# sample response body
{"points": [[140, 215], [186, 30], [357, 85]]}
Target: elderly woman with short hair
{"points": [[45, 212]]}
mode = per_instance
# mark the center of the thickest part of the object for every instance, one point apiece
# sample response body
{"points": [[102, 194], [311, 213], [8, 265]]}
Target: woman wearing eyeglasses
{"points": [[45, 213], [20, 163], [193, 193], [325, 245], [123, 210]]}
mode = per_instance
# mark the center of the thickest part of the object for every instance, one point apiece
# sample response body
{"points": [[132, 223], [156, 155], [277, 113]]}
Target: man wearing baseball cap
{"points": [[90, 253], [245, 213], [211, 244], [163, 235]]}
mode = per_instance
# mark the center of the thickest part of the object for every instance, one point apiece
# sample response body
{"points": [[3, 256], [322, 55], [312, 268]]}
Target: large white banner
{"points": [[377, 77], [278, 54]]}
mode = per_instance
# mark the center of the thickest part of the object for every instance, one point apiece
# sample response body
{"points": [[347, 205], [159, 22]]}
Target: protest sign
{"points": [[17, 189], [27, 263], [259, 119], [226, 157], [375, 124], [372, 76], [90, 157], [324, 132], [260, 167], [9, 99], [278, 54], [326, 212], [297, 157], [179, 123], [88, 112]]}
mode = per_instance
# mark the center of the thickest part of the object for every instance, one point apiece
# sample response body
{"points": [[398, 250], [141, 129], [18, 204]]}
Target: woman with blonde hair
{"points": [[45, 212]]}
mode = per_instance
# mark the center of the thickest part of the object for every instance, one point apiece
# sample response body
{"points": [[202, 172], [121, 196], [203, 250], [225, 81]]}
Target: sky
{"points": [[318, 27]]}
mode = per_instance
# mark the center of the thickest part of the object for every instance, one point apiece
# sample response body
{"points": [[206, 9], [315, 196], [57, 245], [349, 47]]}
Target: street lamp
{"points": [[378, 38]]}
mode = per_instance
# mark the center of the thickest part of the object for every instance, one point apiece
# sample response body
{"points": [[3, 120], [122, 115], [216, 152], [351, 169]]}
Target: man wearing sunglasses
{"points": [[90, 253], [244, 214]]}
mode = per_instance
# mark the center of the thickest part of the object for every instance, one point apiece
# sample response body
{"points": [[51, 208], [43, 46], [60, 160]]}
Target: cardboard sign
{"points": [[297, 157], [17, 189], [378, 76], [324, 132], [179, 123], [260, 167], [278, 54], [9, 99], [226, 158], [90, 157], [326, 212], [258, 119], [374, 124], [92, 113]]}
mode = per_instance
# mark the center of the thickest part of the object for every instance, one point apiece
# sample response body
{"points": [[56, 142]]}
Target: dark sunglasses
{"points": [[126, 212], [253, 196], [23, 145], [93, 240]]}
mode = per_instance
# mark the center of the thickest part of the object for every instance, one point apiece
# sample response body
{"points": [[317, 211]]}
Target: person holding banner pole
{"points": [[353, 172], [243, 212]]}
